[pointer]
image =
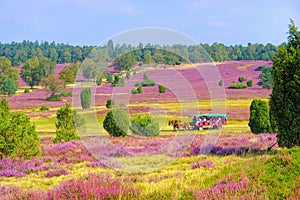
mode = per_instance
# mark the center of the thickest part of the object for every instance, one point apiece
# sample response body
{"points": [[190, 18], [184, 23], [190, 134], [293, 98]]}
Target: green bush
{"points": [[18, 137], [65, 135], [146, 82], [86, 97], [116, 122], [55, 97], [249, 83], [139, 90], [44, 108], [66, 94], [99, 81], [110, 103], [237, 86], [221, 83], [241, 79], [260, 68], [134, 91], [161, 89], [8, 86], [26, 90], [67, 123], [259, 121], [144, 125], [109, 78]]}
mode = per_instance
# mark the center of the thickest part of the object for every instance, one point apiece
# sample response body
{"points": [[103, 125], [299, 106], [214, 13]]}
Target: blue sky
{"points": [[90, 22]]}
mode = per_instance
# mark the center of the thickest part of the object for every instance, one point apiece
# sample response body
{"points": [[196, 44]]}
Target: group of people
{"points": [[203, 121]]}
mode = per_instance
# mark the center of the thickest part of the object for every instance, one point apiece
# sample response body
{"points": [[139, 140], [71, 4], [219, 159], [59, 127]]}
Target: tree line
{"points": [[19, 52]]}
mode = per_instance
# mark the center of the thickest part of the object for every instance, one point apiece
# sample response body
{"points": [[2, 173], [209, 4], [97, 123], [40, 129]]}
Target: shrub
{"points": [[66, 94], [134, 91], [110, 103], [85, 97], [116, 122], [266, 78], [144, 125], [161, 89], [221, 83], [241, 79], [139, 90], [44, 108], [128, 74], [145, 83], [237, 86], [99, 81], [109, 78], [67, 122], [249, 83], [8, 87], [259, 121], [260, 68], [18, 137], [55, 97], [26, 90]]}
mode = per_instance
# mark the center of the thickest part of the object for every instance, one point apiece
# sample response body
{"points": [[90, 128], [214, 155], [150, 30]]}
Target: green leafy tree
{"points": [[109, 78], [99, 81], [266, 78], [89, 68], [116, 122], [259, 121], [7, 71], [18, 137], [68, 74], [125, 61], [35, 70], [147, 57], [86, 97], [68, 122], [144, 125], [8, 87], [53, 84], [285, 98]]}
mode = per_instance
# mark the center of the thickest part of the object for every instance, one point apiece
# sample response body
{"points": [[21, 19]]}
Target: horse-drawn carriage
{"points": [[200, 122]]}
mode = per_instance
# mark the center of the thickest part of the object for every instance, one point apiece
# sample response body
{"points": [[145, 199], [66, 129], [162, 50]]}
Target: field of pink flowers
{"points": [[239, 165]]}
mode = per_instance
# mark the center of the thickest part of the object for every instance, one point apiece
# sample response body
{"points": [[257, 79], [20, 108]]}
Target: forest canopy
{"points": [[19, 52]]}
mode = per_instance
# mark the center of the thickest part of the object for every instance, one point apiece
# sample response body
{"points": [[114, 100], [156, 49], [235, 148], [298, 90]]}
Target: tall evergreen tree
{"points": [[285, 98]]}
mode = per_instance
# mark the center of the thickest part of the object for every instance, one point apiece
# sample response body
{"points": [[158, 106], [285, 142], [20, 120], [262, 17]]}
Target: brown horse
{"points": [[175, 124], [178, 123]]}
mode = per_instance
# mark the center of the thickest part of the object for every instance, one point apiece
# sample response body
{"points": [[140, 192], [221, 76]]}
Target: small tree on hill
{"points": [[259, 121], [8, 87], [86, 97], [53, 84], [116, 122], [18, 137], [67, 123]]}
